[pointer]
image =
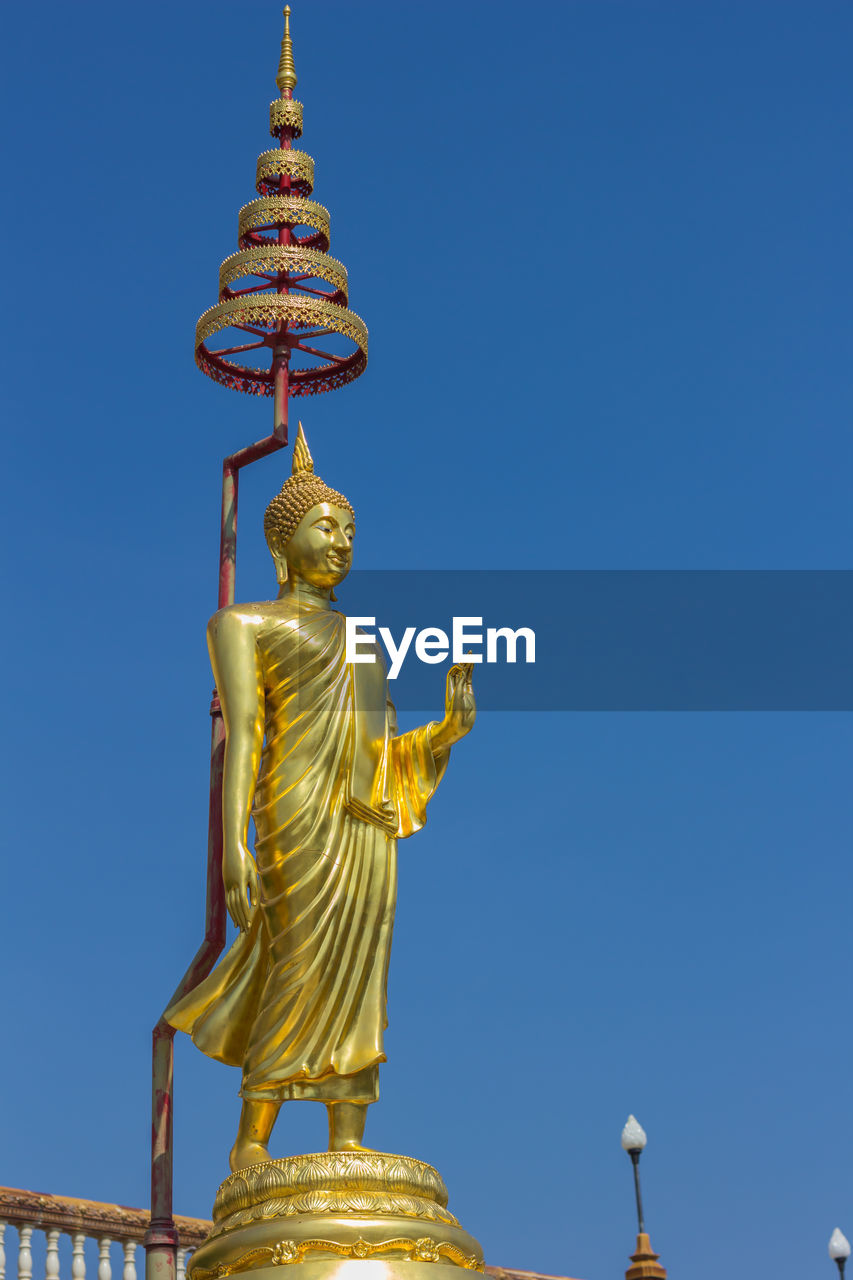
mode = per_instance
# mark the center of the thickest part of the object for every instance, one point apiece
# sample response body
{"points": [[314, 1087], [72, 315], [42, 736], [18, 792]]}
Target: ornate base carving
{"points": [[351, 1206]]}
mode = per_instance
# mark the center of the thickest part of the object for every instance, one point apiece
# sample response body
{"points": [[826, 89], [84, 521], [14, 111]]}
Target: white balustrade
{"points": [[25, 1253], [105, 1268], [78, 1255], [82, 1220], [51, 1260]]}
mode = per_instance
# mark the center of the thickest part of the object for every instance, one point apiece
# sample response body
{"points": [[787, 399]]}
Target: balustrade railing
{"points": [[115, 1232]]}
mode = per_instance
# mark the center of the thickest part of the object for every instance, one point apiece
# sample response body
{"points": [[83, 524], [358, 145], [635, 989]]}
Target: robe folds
{"points": [[299, 1001]]}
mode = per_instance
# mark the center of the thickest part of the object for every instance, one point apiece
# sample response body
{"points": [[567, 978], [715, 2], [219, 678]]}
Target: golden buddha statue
{"points": [[313, 755]]}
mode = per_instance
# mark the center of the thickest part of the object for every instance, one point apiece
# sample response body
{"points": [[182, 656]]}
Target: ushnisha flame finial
{"points": [[303, 463], [286, 78]]}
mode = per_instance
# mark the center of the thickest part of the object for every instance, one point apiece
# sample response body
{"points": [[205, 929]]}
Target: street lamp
{"points": [[646, 1265], [633, 1141], [839, 1250]]}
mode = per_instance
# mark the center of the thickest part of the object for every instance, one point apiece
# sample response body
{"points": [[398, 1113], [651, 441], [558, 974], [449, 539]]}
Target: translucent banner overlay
{"points": [[619, 640]]}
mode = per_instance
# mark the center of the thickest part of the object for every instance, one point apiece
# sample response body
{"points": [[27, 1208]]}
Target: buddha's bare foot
{"points": [[244, 1154], [346, 1126], [256, 1124]]}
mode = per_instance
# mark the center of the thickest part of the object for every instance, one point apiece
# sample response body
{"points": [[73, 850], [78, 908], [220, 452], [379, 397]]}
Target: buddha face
{"points": [[320, 549]]}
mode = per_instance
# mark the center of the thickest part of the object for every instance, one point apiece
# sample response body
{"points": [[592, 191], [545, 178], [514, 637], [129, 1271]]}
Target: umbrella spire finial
{"points": [[286, 78]]}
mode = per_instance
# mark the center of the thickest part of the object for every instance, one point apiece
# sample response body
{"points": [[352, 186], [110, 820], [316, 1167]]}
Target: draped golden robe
{"points": [[299, 1001]]}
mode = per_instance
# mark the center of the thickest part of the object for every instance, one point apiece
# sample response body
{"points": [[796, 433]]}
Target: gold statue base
{"points": [[364, 1214]]}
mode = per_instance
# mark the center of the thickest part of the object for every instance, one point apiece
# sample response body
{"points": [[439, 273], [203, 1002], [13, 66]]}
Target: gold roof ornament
{"points": [[286, 78]]}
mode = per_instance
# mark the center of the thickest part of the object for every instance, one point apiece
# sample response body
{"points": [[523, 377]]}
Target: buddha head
{"points": [[309, 527]]}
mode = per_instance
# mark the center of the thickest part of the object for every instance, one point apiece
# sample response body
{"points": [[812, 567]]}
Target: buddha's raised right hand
{"points": [[240, 875], [460, 708]]}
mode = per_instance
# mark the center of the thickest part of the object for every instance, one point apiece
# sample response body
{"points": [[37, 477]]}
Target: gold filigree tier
{"points": [[296, 165], [286, 113], [269, 259], [333, 1205], [269, 212], [266, 312]]}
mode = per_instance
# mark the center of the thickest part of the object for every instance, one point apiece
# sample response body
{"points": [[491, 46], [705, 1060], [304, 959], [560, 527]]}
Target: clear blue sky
{"points": [[603, 251]]}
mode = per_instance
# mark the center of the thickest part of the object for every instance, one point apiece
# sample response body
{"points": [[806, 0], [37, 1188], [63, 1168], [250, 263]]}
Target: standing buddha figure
{"points": [[313, 756]]}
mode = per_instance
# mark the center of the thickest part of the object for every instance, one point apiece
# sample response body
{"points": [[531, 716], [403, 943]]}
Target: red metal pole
{"points": [[228, 534], [281, 356], [161, 1238]]}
